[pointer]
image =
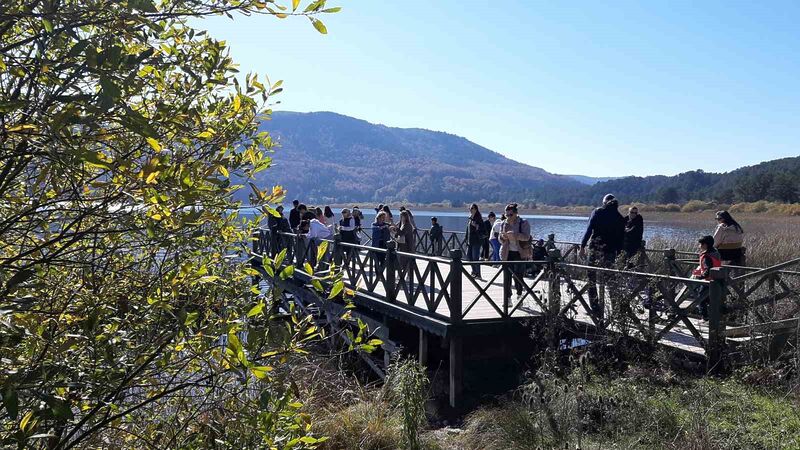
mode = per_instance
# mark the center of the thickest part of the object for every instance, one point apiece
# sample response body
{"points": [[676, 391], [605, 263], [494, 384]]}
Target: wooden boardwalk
{"points": [[479, 308], [439, 297]]}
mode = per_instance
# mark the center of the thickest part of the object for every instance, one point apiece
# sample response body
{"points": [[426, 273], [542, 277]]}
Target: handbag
{"points": [[525, 247]]}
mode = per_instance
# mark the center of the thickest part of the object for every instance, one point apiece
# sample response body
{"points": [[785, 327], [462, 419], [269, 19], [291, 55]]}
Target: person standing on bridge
{"points": [[709, 259], [486, 234], [515, 244], [380, 236], [406, 243], [294, 215], [330, 220], [437, 237], [605, 235], [389, 217], [634, 231], [317, 228], [410, 215], [494, 237], [474, 239], [729, 237], [348, 226], [305, 214]]}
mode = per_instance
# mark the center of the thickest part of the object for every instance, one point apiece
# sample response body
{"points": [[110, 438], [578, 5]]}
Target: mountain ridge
{"points": [[329, 157], [355, 160]]}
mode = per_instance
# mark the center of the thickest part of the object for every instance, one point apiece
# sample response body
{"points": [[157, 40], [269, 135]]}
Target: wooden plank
{"points": [[749, 330]]}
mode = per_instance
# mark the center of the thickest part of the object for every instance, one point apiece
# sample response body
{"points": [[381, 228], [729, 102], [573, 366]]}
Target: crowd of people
{"points": [[609, 237]]}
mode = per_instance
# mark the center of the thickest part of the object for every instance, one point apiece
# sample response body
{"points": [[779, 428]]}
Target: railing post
{"points": [[455, 285], [554, 287], [256, 238], [716, 322], [337, 250], [299, 251], [669, 261], [391, 271]]}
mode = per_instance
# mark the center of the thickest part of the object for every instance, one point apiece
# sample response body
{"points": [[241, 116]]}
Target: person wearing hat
{"points": [[709, 258], [605, 235]]}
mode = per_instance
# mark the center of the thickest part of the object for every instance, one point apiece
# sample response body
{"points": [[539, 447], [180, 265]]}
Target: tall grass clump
{"points": [[408, 384], [586, 409]]}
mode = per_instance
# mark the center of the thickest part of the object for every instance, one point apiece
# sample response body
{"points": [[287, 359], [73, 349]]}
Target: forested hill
{"points": [[777, 180], [330, 157]]}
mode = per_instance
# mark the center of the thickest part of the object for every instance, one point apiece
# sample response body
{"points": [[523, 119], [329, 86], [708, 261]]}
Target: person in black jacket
{"points": [[634, 230], [437, 237], [294, 215], [485, 232], [605, 235], [474, 231]]}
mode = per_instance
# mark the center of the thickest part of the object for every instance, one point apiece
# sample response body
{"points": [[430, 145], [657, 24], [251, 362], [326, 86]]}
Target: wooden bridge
{"points": [[651, 298]]}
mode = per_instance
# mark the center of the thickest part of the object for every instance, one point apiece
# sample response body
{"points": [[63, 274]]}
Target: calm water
{"points": [[566, 228]]}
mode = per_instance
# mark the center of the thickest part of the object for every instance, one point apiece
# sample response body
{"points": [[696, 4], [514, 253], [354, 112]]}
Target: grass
{"points": [[632, 412]]}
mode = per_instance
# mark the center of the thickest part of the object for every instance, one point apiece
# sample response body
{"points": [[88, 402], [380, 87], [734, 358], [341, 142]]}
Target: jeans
{"points": [[474, 254], [495, 249]]}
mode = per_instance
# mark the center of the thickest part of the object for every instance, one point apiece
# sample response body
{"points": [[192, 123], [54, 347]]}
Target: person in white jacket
{"points": [[729, 239]]}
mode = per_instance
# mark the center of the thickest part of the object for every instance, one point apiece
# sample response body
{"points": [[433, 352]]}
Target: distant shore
{"points": [[693, 208]]}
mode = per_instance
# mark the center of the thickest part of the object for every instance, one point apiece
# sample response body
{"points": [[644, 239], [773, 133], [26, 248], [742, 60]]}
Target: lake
{"points": [[566, 228]]}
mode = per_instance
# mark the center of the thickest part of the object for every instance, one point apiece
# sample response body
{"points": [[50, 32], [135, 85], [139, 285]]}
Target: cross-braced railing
{"points": [[622, 299]]}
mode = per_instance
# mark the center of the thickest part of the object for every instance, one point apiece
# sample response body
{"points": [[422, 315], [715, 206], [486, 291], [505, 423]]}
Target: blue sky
{"points": [[594, 88]]}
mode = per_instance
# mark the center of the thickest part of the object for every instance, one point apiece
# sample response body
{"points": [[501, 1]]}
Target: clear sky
{"points": [[579, 87]]}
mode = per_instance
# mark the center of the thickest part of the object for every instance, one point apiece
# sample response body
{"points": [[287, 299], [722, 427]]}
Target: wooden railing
{"points": [[645, 304]]}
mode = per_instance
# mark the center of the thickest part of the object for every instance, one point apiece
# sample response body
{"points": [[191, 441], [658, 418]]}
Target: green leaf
{"points": [[332, 10], [191, 318], [287, 272], [319, 25], [11, 105], [255, 310], [336, 289], [279, 259], [109, 92], [11, 402], [261, 372], [313, 6], [317, 285], [142, 5], [307, 267], [48, 26], [321, 250]]}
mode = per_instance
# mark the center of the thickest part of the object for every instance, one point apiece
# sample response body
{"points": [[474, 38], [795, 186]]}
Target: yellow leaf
{"points": [[295, 4], [22, 128], [261, 371], [154, 143], [23, 425], [151, 179], [237, 103], [223, 171]]}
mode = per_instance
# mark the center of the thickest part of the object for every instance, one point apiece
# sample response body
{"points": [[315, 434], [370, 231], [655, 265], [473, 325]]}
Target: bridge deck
{"points": [[479, 309]]}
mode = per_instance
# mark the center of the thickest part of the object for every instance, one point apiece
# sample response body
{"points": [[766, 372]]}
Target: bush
{"points": [[365, 425], [697, 205]]}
